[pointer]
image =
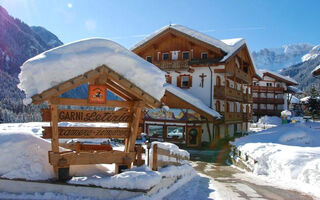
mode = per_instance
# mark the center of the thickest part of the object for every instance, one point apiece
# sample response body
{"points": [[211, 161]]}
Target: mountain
{"points": [[301, 72], [315, 52], [275, 59], [19, 42]]}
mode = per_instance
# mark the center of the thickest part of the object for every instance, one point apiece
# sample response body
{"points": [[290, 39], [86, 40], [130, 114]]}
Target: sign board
{"points": [[87, 132], [88, 116], [97, 94]]}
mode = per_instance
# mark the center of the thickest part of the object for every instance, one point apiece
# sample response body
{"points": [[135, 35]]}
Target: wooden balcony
{"points": [[222, 92], [262, 112], [233, 116], [204, 61], [242, 76], [247, 117], [268, 100], [247, 98], [172, 64], [277, 90]]}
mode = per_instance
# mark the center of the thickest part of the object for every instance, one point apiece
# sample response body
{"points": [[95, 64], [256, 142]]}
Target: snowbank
{"points": [[273, 120], [24, 155], [60, 64], [289, 152], [286, 113]]}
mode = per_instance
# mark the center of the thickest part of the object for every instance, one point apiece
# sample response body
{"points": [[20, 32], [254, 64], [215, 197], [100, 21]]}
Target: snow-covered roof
{"points": [[195, 34], [295, 90], [316, 71], [63, 63], [186, 96], [286, 78], [293, 99], [229, 46]]}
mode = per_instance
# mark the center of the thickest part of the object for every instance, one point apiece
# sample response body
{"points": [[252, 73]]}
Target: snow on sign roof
{"points": [[60, 64], [287, 78], [186, 96]]}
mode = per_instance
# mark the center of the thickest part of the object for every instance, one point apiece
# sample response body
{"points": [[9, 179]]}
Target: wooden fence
{"points": [[158, 151]]}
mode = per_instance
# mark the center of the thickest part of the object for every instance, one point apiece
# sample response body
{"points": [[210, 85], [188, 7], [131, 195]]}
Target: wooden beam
{"points": [[54, 128], [84, 102], [137, 108], [85, 158]]}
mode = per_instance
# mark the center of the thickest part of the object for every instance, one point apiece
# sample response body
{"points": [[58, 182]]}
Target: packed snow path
{"points": [[220, 181]]}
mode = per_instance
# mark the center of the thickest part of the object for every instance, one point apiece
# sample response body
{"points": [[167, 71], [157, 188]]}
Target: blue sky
{"points": [[263, 23]]}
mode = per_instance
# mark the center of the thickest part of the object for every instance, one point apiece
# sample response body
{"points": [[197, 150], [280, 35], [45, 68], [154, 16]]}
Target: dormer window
{"points": [[204, 55], [185, 55], [149, 59], [165, 56]]}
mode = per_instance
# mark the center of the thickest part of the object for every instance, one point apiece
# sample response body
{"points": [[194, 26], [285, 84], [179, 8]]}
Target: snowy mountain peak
{"points": [[315, 52], [276, 59]]}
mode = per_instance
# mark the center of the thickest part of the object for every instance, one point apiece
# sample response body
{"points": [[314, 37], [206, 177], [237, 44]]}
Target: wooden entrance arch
{"points": [[101, 79]]}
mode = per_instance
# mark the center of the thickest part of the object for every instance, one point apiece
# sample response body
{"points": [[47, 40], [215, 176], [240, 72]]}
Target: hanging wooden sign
{"points": [[87, 132], [88, 116], [97, 94]]}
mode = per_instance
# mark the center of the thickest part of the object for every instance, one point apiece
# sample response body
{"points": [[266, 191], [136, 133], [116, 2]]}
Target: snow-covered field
{"points": [[24, 155], [286, 154]]}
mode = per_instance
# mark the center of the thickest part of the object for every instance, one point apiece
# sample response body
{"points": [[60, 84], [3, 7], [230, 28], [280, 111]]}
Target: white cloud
{"points": [[69, 5]]}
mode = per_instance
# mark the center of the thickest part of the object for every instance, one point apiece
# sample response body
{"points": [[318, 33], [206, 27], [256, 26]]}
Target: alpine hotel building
{"points": [[209, 91]]}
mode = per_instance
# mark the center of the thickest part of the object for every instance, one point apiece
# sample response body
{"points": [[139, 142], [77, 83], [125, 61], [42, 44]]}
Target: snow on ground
{"points": [[60, 64], [24, 155], [290, 153]]}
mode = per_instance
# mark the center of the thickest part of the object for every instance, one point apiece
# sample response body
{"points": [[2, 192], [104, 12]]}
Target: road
{"points": [[231, 183]]}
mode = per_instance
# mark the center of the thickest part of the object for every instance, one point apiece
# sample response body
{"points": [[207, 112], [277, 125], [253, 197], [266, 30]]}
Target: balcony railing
{"points": [[242, 75], [268, 100], [247, 98], [267, 89], [227, 92], [172, 64], [233, 116], [204, 61], [247, 117], [261, 112]]}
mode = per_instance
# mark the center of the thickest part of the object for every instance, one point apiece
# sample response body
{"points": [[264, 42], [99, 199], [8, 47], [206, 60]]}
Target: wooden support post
{"points": [[55, 135], [209, 132], [134, 126], [155, 157]]}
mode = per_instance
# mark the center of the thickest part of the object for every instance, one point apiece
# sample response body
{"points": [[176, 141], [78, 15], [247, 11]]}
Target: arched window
{"points": [[228, 83], [218, 81], [218, 106], [228, 107]]}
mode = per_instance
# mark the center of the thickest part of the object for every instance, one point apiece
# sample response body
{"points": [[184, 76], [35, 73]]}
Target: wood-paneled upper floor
{"points": [[179, 49]]}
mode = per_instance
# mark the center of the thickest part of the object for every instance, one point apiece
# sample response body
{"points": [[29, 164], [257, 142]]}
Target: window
{"points": [[185, 55], [165, 56], [278, 85], [255, 84], [245, 69], [155, 131], [168, 79], [149, 59], [184, 81], [175, 132], [204, 56], [269, 84]]}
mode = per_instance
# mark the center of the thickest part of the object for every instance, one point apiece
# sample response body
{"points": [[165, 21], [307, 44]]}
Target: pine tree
{"points": [[313, 103]]}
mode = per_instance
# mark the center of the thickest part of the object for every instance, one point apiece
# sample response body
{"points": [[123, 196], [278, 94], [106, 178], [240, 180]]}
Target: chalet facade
{"points": [[217, 72], [271, 94]]}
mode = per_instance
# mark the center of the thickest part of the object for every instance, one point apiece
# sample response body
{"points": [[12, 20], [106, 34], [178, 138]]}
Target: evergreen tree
{"points": [[313, 103]]}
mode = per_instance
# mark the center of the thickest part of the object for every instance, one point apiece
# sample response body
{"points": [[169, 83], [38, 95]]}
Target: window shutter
{"points": [[190, 81], [179, 81]]}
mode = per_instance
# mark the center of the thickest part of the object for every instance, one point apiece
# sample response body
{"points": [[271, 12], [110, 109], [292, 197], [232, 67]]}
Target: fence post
{"points": [[155, 157]]}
